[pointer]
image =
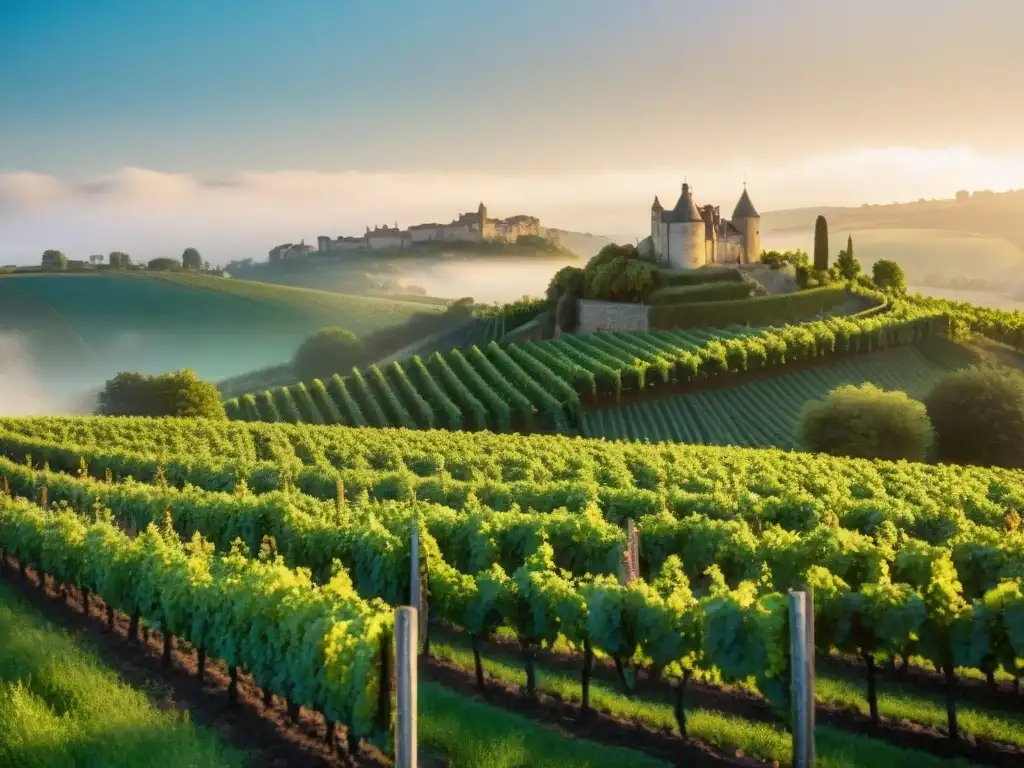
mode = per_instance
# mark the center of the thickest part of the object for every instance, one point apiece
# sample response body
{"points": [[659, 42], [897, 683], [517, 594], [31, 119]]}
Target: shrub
{"points": [[778, 259], [325, 352], [888, 276], [688, 294], [978, 415], [567, 313], [617, 273], [180, 394], [777, 309], [867, 423], [164, 265], [699, 276]]}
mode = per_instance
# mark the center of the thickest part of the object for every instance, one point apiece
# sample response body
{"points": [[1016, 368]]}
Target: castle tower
{"points": [[684, 232], [656, 211], [748, 221], [481, 211]]}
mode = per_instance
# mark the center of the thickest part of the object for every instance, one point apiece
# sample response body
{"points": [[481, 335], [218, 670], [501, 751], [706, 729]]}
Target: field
{"points": [[513, 531], [765, 413], [59, 705], [81, 329], [543, 385]]}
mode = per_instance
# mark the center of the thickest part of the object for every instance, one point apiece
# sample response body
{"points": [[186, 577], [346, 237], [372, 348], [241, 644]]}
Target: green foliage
{"points": [[181, 394], [567, 313], [704, 275], [777, 259], [163, 265], [55, 260], [119, 260], [190, 259], [866, 422], [320, 646], [616, 273], [566, 281], [820, 244], [686, 294], [888, 276], [760, 310], [978, 416], [847, 265], [325, 352]]}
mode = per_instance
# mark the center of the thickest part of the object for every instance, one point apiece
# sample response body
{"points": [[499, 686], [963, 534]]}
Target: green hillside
{"points": [[765, 413], [78, 329]]}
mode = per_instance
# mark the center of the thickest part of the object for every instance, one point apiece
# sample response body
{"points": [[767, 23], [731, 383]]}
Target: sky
{"points": [[235, 124]]}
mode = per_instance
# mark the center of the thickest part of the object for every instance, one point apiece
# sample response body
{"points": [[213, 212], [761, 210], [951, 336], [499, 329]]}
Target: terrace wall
{"points": [[611, 316]]}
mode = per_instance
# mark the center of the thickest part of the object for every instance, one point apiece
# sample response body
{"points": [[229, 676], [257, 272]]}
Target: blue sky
{"points": [[330, 85], [568, 108]]}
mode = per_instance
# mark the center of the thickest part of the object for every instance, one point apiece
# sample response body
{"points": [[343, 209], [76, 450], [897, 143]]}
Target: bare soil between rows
{"points": [[901, 733]]}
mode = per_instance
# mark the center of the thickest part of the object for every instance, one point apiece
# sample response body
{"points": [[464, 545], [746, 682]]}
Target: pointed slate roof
{"points": [[744, 208], [656, 206], [685, 210]]}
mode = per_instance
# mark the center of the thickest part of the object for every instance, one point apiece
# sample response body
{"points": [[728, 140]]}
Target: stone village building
{"points": [[474, 226]]}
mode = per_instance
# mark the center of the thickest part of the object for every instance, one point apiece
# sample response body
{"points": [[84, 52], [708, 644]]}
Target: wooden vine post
{"points": [[802, 679]]}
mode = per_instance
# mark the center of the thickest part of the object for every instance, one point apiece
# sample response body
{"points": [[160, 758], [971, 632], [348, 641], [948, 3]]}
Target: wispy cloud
{"points": [[152, 213]]}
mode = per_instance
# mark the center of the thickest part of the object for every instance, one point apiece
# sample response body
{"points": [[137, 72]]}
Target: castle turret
{"points": [[685, 241], [656, 211], [747, 220]]}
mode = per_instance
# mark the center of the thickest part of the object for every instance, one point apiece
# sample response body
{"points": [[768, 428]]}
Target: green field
{"points": [[60, 706], [80, 329], [765, 413]]}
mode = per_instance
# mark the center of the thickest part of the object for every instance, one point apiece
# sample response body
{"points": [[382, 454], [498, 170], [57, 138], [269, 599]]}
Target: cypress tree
{"points": [[821, 243], [849, 246]]}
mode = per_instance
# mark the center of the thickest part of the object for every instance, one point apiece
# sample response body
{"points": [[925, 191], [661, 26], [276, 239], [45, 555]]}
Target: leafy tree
{"points": [[191, 259], [180, 394], [53, 259], [566, 280], [617, 273], [777, 259], [888, 276], [119, 260], [164, 264], [567, 312], [846, 263], [326, 352], [978, 415], [820, 243], [866, 422]]}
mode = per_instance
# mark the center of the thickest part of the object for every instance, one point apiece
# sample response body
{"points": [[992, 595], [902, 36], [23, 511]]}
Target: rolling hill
{"points": [[76, 330]]}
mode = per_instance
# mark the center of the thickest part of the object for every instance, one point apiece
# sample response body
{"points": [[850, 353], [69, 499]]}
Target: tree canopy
{"points": [[888, 276], [617, 273], [163, 264], [868, 423], [191, 259], [978, 415], [326, 352], [119, 260], [846, 263], [54, 259], [180, 394], [820, 243]]}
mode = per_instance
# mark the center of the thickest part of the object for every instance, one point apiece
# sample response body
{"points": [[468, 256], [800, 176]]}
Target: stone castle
{"points": [[474, 226], [688, 237]]}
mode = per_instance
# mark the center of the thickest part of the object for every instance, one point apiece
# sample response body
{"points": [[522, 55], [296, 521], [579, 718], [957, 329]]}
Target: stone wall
{"points": [[611, 316]]}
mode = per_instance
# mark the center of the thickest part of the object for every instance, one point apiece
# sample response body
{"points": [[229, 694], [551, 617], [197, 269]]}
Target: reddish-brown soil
{"points": [[900, 733], [265, 733]]}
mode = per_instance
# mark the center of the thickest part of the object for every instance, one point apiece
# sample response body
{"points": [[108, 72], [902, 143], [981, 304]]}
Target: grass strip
{"points": [[769, 741], [61, 706], [472, 734]]}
